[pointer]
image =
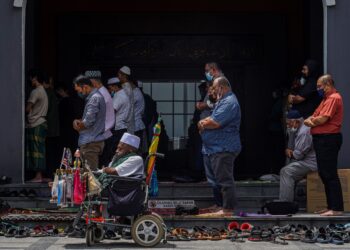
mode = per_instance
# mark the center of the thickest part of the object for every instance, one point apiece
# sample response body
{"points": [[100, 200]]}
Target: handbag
{"points": [[281, 207]]}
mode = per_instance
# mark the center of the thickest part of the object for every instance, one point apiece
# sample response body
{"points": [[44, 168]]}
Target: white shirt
{"points": [[38, 98], [131, 117], [122, 107], [139, 108], [110, 116], [133, 166]]}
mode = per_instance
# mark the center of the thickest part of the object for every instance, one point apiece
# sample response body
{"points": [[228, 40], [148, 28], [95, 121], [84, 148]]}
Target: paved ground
{"points": [[52, 243]]}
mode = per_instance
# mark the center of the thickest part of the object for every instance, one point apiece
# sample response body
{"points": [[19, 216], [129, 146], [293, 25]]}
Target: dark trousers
{"points": [[111, 145], [327, 147], [223, 165]]}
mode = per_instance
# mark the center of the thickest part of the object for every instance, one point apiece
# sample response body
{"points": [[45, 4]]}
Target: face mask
{"points": [[320, 93], [208, 76], [293, 130], [113, 93], [82, 96], [302, 81], [212, 99]]}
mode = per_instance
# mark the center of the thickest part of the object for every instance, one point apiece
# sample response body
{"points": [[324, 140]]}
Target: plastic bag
{"points": [[54, 188], [79, 188]]}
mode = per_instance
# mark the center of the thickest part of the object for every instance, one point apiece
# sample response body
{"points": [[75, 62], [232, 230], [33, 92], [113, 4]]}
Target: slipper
{"points": [[337, 239], [266, 234], [278, 240], [215, 235], [11, 232], [309, 237], [255, 235], [22, 232], [246, 227], [323, 238], [233, 225], [291, 237]]}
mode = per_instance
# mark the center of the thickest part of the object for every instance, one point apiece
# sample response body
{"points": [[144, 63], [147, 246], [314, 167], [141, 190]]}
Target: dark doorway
{"points": [[259, 46]]}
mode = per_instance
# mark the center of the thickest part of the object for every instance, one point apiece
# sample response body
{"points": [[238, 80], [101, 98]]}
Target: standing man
{"points": [[36, 127], [139, 109], [122, 107], [211, 72], [95, 77], [221, 141], [124, 77], [91, 127], [301, 155], [325, 126]]}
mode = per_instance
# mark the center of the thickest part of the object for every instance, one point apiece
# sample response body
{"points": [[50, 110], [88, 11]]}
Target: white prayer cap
{"points": [[139, 84], [93, 74], [126, 70], [131, 140], [113, 80]]}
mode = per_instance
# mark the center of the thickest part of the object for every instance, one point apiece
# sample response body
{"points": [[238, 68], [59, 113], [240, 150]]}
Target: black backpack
{"points": [[280, 207], [126, 197]]}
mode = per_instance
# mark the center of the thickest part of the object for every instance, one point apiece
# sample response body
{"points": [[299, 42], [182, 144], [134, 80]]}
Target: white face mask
{"points": [[302, 81]]}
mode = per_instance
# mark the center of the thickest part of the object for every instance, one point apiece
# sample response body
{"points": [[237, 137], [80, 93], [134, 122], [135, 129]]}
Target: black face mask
{"points": [[212, 98]]}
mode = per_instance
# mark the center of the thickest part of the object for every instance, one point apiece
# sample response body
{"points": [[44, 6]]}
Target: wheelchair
{"points": [[127, 198]]}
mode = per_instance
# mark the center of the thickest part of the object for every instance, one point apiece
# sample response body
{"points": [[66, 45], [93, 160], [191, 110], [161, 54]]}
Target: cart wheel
{"points": [[147, 231], [90, 237], [99, 234]]}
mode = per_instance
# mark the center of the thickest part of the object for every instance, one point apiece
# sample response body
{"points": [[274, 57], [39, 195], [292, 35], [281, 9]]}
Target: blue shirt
{"points": [[226, 138], [93, 118]]}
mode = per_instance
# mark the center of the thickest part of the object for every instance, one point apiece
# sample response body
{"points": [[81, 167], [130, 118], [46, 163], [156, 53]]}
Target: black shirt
{"points": [[312, 99]]}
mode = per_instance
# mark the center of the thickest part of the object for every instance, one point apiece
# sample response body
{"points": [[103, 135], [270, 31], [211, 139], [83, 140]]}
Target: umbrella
{"points": [[153, 149]]}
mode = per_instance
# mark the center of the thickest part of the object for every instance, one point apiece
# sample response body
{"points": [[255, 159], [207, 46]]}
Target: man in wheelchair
{"points": [[125, 163]]}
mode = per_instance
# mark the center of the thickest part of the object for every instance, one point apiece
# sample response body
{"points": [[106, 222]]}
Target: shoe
{"points": [[310, 237]]}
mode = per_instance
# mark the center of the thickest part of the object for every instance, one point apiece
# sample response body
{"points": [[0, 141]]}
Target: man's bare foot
{"points": [[224, 212], [322, 211], [213, 208], [46, 180], [332, 213]]}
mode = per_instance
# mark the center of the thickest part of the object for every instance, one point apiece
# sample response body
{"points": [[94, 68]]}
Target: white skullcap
{"points": [[131, 140], [113, 80], [93, 74], [126, 70], [139, 84]]}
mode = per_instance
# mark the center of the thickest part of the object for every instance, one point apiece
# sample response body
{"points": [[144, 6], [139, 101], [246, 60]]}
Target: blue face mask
{"points": [[320, 93], [208, 76], [112, 94], [82, 96]]}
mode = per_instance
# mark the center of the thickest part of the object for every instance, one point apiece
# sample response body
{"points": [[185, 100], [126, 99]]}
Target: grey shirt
{"points": [[93, 118], [139, 108], [37, 115], [122, 108], [304, 151]]}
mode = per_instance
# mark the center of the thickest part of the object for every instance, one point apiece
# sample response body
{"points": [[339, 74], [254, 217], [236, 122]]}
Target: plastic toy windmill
{"points": [[153, 149]]}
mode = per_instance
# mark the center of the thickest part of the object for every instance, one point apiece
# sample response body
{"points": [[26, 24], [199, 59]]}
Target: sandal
{"points": [[291, 237], [22, 232], [11, 232], [255, 235], [278, 240], [215, 235]]}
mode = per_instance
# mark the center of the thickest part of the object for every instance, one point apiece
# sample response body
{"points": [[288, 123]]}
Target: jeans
{"points": [[212, 181], [327, 147]]}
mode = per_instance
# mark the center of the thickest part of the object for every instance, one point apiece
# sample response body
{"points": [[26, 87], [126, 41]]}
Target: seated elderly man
{"points": [[125, 163], [301, 156]]}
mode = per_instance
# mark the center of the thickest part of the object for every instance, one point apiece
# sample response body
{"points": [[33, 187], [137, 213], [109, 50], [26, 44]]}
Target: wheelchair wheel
{"points": [[90, 241], [158, 216], [99, 234], [147, 231]]}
